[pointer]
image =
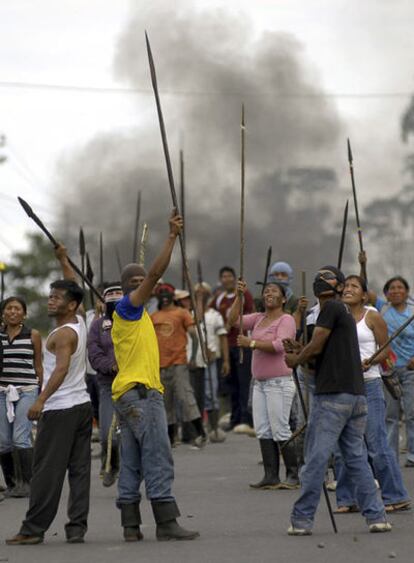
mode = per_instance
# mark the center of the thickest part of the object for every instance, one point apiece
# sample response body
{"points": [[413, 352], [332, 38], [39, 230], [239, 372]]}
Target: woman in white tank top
{"points": [[372, 333]]}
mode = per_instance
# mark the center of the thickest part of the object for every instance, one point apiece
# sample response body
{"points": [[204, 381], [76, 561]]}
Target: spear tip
{"points": [[25, 206], [350, 157], [151, 62]]}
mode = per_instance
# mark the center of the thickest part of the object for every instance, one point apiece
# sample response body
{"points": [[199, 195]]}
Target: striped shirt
{"points": [[18, 359]]}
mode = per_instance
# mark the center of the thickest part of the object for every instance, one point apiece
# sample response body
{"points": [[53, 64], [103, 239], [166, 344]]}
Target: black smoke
{"points": [[207, 64]]}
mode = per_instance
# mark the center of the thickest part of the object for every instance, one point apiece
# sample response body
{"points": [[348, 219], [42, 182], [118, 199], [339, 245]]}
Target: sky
{"points": [[362, 53]]}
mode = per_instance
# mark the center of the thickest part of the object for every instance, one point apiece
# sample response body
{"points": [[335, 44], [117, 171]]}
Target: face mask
{"points": [[165, 299], [320, 285]]}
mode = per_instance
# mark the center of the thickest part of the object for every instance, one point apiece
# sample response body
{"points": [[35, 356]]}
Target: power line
{"points": [[195, 93]]}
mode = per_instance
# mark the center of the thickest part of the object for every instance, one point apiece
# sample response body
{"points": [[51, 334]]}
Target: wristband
{"points": [[252, 344]]}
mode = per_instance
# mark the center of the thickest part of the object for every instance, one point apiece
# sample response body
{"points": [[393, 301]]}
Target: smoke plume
{"points": [[207, 64]]}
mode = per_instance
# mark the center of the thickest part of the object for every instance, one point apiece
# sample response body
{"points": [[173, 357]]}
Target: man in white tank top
{"points": [[64, 413]]}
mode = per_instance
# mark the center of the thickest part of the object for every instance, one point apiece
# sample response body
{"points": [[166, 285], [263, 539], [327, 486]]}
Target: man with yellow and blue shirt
{"points": [[137, 393]]}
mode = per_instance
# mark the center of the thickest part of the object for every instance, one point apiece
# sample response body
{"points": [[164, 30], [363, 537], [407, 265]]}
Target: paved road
{"points": [[237, 524]]}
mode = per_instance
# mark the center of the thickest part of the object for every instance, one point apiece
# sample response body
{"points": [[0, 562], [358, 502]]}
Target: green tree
{"points": [[28, 276]]}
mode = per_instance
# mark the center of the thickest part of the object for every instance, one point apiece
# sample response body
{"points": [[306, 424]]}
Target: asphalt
{"points": [[237, 524]]}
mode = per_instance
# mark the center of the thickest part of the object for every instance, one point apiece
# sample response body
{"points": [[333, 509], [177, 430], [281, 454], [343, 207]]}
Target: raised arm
{"points": [[234, 312], [141, 294]]}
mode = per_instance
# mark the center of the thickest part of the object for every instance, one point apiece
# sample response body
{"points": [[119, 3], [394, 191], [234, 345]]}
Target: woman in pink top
{"points": [[273, 389]]}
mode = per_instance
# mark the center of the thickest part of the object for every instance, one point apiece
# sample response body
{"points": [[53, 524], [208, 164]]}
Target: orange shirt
{"points": [[171, 330]]}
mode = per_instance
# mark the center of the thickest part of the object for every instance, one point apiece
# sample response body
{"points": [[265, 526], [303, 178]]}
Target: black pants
{"points": [[239, 384], [92, 387], [63, 442]]}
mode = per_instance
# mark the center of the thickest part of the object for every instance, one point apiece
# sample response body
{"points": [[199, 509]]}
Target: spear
{"points": [[173, 192], [101, 262], [90, 276], [343, 235], [29, 211], [143, 245], [136, 231], [351, 170], [182, 201], [82, 250], [242, 178], [2, 270], [118, 260], [266, 271], [214, 413]]}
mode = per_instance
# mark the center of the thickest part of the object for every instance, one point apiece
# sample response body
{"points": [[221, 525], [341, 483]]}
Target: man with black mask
{"points": [[339, 410], [102, 359]]}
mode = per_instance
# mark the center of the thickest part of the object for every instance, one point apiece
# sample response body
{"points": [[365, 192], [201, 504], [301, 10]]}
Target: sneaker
{"points": [[200, 442], [20, 539], [380, 527], [409, 463], [293, 531], [243, 429], [75, 539]]}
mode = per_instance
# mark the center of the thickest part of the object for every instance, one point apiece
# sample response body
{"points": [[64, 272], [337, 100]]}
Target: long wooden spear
{"points": [[101, 262], [82, 252], [351, 170], [173, 192], [266, 270], [343, 235], [242, 186], [182, 201], [29, 211], [90, 275], [143, 245], [118, 260], [136, 228]]}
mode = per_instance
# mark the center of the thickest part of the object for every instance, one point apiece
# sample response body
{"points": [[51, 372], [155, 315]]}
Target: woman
{"points": [[20, 378], [273, 388], [372, 333], [395, 311]]}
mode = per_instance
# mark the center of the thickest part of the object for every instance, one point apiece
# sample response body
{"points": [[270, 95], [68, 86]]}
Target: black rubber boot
{"points": [[291, 463], [165, 514], [270, 455], [7, 465], [110, 477], [131, 521], [24, 461]]}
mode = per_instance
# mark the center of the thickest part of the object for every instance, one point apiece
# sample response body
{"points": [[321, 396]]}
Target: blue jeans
{"points": [[106, 411], [383, 458], [406, 378], [336, 418], [272, 401], [145, 448], [209, 403], [16, 434]]}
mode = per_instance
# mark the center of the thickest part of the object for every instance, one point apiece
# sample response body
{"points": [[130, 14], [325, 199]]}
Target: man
{"points": [[172, 325], [63, 410], [238, 380], [339, 410], [282, 272], [217, 348], [138, 399], [102, 358]]}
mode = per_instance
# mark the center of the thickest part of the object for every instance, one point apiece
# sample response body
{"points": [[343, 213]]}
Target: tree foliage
{"points": [[28, 276]]}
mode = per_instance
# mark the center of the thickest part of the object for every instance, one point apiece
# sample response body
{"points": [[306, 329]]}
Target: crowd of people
{"points": [[302, 377]]}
